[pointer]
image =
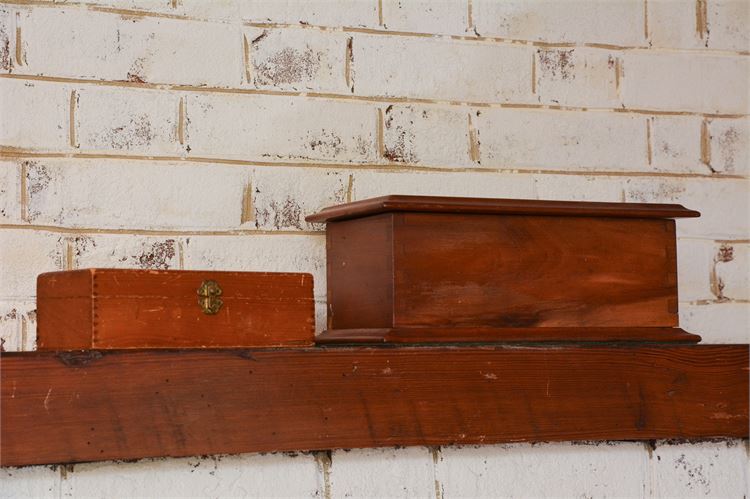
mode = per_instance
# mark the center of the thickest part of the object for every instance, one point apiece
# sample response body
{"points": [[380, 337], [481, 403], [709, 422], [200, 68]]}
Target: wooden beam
{"points": [[72, 407]]}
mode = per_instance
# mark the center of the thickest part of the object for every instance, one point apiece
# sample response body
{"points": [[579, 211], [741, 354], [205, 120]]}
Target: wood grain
{"points": [[439, 204], [533, 271], [118, 308], [422, 335], [69, 407]]}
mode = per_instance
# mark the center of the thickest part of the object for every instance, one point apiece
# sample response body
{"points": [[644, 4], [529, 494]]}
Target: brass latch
{"points": [[208, 297]]}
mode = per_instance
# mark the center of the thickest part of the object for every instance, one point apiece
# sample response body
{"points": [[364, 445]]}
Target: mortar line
{"points": [[470, 15], [649, 150], [24, 194], [247, 214], [18, 42], [247, 61], [349, 188], [355, 29], [11, 153], [363, 98], [348, 58], [473, 142], [72, 119], [68, 254], [159, 232], [380, 13], [645, 22], [181, 121], [705, 144], [24, 333], [380, 133]]}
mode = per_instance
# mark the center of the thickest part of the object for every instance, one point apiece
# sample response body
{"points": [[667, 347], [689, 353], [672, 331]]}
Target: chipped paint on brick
{"points": [[6, 61], [158, 256], [399, 140], [287, 66], [557, 63]]}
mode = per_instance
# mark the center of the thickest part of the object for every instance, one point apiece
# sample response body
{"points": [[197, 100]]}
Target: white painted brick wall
{"points": [[685, 81], [197, 135], [271, 128], [297, 60], [615, 22], [79, 43], [442, 69]]}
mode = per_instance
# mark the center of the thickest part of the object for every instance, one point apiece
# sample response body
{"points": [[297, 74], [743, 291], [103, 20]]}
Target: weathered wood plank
{"points": [[71, 407]]}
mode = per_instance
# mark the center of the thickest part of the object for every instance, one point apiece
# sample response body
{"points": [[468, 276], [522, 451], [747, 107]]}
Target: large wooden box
{"points": [[113, 308], [414, 268]]}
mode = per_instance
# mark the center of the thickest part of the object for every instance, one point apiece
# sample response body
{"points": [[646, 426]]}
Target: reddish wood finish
{"points": [[421, 335], [461, 265], [439, 204], [113, 308], [71, 407]]}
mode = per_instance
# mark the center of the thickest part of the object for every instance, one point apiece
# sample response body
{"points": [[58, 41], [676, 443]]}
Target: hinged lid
{"points": [[438, 204]]}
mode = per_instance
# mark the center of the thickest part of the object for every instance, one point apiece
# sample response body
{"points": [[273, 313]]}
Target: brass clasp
{"points": [[208, 297]]}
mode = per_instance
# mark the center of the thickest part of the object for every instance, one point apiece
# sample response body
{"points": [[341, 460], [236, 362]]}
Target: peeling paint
{"points": [[287, 66], [399, 144], [159, 256], [557, 63]]}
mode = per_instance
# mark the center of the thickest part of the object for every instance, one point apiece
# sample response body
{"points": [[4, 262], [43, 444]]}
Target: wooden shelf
{"points": [[72, 407]]}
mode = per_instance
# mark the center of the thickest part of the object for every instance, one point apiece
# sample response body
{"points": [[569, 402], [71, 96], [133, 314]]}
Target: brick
{"points": [[283, 197], [425, 16], [619, 22], [423, 135], [723, 203], [126, 120], [79, 43], [30, 481], [280, 128], [270, 253], [249, 475], [674, 25], [564, 140], [698, 469], [728, 25], [685, 82], [676, 144], [713, 271], [369, 184], [17, 325], [297, 60], [127, 251], [601, 469], [387, 472], [579, 187], [7, 39], [585, 77], [733, 271], [695, 264], [730, 145], [41, 114], [362, 13], [435, 68], [25, 254], [276, 253], [10, 192], [724, 322], [120, 194]]}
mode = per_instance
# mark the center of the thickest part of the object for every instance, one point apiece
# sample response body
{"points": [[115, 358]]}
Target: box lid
{"points": [[438, 204]]}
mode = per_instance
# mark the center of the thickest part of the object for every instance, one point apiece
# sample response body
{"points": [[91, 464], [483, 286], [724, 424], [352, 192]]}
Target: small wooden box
{"points": [[113, 309], [416, 268]]}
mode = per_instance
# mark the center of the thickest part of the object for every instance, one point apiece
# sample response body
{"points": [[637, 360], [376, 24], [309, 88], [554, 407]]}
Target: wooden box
{"points": [[417, 268], [113, 309]]}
